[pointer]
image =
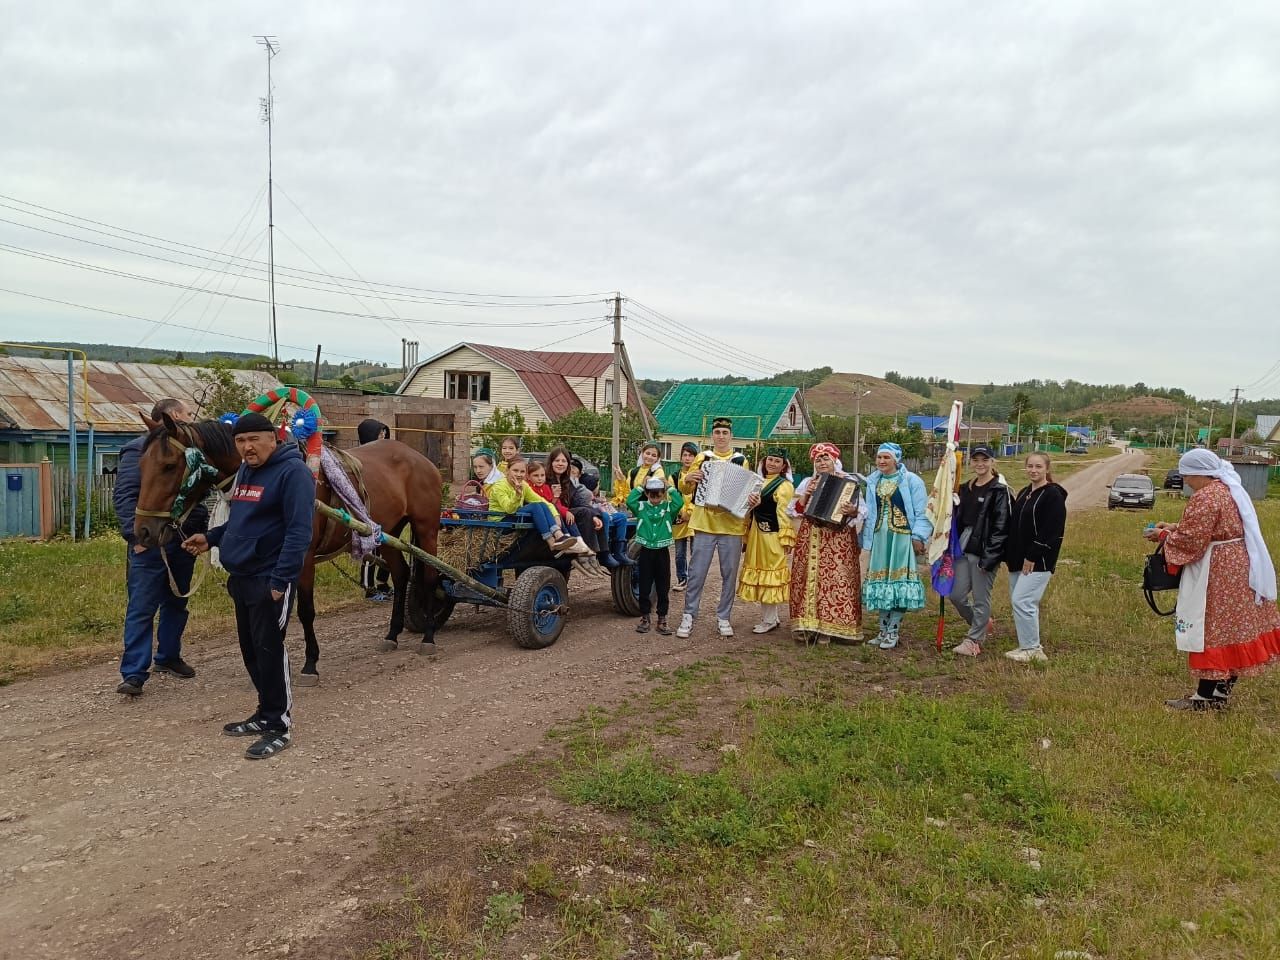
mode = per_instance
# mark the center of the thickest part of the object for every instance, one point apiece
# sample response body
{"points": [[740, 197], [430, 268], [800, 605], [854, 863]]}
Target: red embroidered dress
{"points": [[1240, 636], [826, 582]]}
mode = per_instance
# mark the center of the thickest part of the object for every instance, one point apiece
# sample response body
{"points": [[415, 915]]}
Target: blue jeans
{"points": [[149, 594], [1025, 591], [682, 559], [540, 515], [615, 524]]}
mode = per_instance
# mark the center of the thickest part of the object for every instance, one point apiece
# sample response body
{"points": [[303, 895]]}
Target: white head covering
{"points": [[1262, 572]]}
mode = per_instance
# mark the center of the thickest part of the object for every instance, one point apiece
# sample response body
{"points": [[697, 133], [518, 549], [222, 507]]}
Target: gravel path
{"points": [[1087, 489]]}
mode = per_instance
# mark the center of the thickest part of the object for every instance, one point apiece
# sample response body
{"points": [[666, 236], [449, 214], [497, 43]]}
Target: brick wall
{"points": [[449, 423]]}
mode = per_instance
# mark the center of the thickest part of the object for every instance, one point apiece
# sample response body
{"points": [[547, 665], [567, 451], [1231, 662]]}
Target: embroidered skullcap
{"points": [[689, 447], [779, 452], [890, 448], [830, 449], [655, 483], [253, 423], [722, 422]]}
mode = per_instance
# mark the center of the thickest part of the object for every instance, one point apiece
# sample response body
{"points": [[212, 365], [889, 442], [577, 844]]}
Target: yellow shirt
{"points": [[713, 519], [621, 490]]}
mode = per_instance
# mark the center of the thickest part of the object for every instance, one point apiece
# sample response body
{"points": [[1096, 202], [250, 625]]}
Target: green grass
{"points": [[63, 603], [1009, 812]]}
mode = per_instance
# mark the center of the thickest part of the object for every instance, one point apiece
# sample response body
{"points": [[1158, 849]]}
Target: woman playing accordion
{"points": [[826, 583]]}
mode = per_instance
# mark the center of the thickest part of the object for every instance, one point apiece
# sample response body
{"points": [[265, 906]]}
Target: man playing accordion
{"points": [[716, 530]]}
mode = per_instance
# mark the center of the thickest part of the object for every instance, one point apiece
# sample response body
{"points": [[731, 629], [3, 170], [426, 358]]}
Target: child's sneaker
{"points": [[643, 625], [662, 628], [686, 626]]}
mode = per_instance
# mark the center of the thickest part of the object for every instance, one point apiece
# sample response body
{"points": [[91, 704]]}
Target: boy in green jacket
{"points": [[655, 508]]}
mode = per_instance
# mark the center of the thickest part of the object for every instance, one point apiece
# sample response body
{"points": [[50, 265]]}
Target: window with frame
{"points": [[466, 385]]}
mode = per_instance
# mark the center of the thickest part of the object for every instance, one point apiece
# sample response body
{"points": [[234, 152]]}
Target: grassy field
{"points": [[63, 603], [844, 803]]}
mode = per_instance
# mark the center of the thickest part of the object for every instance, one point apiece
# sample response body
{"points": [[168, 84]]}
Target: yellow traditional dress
{"points": [[766, 578]]}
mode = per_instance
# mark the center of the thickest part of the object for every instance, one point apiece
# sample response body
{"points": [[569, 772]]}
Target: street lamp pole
{"points": [[857, 427]]}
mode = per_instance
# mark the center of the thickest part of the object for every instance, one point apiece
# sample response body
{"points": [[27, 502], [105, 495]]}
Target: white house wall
{"points": [[506, 389]]}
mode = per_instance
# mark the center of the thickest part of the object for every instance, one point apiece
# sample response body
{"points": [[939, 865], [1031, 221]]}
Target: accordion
{"points": [[727, 486], [831, 492]]}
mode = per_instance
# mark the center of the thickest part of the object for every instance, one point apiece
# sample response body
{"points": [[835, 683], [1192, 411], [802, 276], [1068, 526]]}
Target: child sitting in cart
{"points": [[513, 496], [537, 481], [508, 450], [615, 520], [656, 509]]}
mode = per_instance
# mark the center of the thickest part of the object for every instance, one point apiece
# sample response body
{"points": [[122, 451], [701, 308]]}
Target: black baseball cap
{"points": [[981, 450]]}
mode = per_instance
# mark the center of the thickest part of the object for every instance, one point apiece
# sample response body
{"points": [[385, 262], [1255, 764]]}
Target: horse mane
{"points": [[211, 436]]}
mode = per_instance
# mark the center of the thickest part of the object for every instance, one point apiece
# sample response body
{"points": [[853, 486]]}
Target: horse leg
{"points": [[307, 617], [400, 581]]}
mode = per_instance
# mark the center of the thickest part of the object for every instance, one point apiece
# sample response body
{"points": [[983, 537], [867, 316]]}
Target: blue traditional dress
{"points": [[895, 517]]}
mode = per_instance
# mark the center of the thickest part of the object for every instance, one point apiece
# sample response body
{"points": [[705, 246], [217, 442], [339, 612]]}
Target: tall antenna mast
{"points": [[272, 47]]}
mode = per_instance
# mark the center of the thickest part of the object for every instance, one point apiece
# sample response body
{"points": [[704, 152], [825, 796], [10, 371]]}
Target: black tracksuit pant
{"points": [[260, 622], [654, 568]]}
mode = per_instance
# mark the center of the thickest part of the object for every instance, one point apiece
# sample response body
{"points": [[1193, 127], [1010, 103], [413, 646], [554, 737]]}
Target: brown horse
{"points": [[402, 486]]}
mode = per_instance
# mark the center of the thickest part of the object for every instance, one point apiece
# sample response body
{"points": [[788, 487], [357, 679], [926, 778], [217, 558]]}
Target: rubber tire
{"points": [[524, 596], [415, 620], [622, 586]]}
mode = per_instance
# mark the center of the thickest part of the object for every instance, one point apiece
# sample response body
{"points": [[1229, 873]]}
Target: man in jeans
{"points": [[263, 545], [147, 577], [715, 531]]}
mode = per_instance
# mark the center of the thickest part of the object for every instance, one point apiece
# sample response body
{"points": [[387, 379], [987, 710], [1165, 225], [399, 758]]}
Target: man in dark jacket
{"points": [[374, 577], [147, 578], [263, 545]]}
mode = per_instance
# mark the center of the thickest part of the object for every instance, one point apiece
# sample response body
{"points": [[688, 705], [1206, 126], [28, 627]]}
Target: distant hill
{"points": [[834, 396], [1133, 407]]}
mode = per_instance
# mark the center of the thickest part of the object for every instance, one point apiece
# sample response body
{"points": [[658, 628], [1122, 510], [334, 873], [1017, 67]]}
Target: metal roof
{"points": [[33, 392], [688, 408]]}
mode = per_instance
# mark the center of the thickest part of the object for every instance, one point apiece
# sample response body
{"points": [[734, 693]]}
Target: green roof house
{"points": [[758, 413]]}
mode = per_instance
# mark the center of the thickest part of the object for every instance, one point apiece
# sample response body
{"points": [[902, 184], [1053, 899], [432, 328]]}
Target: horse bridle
{"points": [[198, 471]]}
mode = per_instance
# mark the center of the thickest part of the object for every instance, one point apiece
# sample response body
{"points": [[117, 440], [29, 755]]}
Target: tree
{"points": [[501, 423], [222, 392], [348, 382], [590, 434]]}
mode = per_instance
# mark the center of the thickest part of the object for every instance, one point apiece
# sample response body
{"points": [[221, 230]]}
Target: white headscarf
{"points": [[1262, 573]]}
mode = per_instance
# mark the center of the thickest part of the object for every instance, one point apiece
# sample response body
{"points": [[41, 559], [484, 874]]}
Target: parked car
{"points": [[1173, 480], [1078, 448], [1132, 490]]}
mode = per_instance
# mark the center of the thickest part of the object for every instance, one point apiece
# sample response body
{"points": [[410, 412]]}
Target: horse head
{"points": [[169, 469]]}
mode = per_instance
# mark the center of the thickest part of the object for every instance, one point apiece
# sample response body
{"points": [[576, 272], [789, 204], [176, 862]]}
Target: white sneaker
{"points": [[764, 626], [1034, 655], [725, 628], [686, 627]]}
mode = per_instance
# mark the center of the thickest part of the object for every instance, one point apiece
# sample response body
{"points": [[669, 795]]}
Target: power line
{"points": [[167, 245], [170, 323], [123, 274], [748, 359]]}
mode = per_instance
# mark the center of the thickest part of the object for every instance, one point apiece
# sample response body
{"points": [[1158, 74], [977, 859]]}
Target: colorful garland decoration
{"points": [[305, 423]]}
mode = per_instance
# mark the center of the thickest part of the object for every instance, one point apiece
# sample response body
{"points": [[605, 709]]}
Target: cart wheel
{"points": [[544, 591], [626, 590], [415, 617]]}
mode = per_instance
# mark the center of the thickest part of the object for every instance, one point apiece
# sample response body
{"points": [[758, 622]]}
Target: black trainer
{"points": [[130, 688], [1193, 702], [177, 668], [253, 727], [268, 745]]}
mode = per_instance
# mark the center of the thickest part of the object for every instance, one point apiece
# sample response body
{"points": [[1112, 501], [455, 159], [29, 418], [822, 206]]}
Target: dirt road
{"points": [[133, 828], [1087, 489]]}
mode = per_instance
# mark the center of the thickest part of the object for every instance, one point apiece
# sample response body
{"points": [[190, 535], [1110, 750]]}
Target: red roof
{"points": [[544, 373]]}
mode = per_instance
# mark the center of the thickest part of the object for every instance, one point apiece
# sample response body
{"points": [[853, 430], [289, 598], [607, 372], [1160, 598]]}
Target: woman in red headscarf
{"points": [[826, 583]]}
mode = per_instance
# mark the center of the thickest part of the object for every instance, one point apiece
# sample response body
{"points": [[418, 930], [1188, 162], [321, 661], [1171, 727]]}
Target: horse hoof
{"points": [[427, 649], [308, 679], [388, 646]]}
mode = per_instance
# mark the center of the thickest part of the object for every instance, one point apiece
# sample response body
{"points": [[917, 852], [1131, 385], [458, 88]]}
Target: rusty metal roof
{"points": [[33, 392]]}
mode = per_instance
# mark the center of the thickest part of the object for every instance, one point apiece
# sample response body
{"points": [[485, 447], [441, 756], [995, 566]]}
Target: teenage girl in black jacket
{"points": [[982, 519], [1038, 521]]}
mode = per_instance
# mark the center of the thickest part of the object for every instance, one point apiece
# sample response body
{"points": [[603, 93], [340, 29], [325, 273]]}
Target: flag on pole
{"points": [[944, 545]]}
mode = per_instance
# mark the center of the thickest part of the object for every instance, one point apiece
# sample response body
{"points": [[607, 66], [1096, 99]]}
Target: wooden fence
{"points": [[101, 515]]}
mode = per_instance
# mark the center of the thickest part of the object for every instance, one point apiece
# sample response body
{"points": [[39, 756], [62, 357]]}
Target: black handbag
{"points": [[1156, 578]]}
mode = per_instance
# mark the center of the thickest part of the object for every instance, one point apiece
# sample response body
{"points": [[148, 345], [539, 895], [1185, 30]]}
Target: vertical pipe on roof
{"points": [[71, 437]]}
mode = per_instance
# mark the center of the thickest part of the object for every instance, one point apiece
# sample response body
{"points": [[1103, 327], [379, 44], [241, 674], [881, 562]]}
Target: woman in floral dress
{"points": [[1226, 620], [826, 583]]}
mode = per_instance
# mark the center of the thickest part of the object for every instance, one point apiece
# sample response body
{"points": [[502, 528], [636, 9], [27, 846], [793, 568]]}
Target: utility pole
{"points": [[615, 450], [1235, 405], [857, 425], [271, 47]]}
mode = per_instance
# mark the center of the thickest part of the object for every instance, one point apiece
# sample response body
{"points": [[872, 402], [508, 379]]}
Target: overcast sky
{"points": [[989, 191]]}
